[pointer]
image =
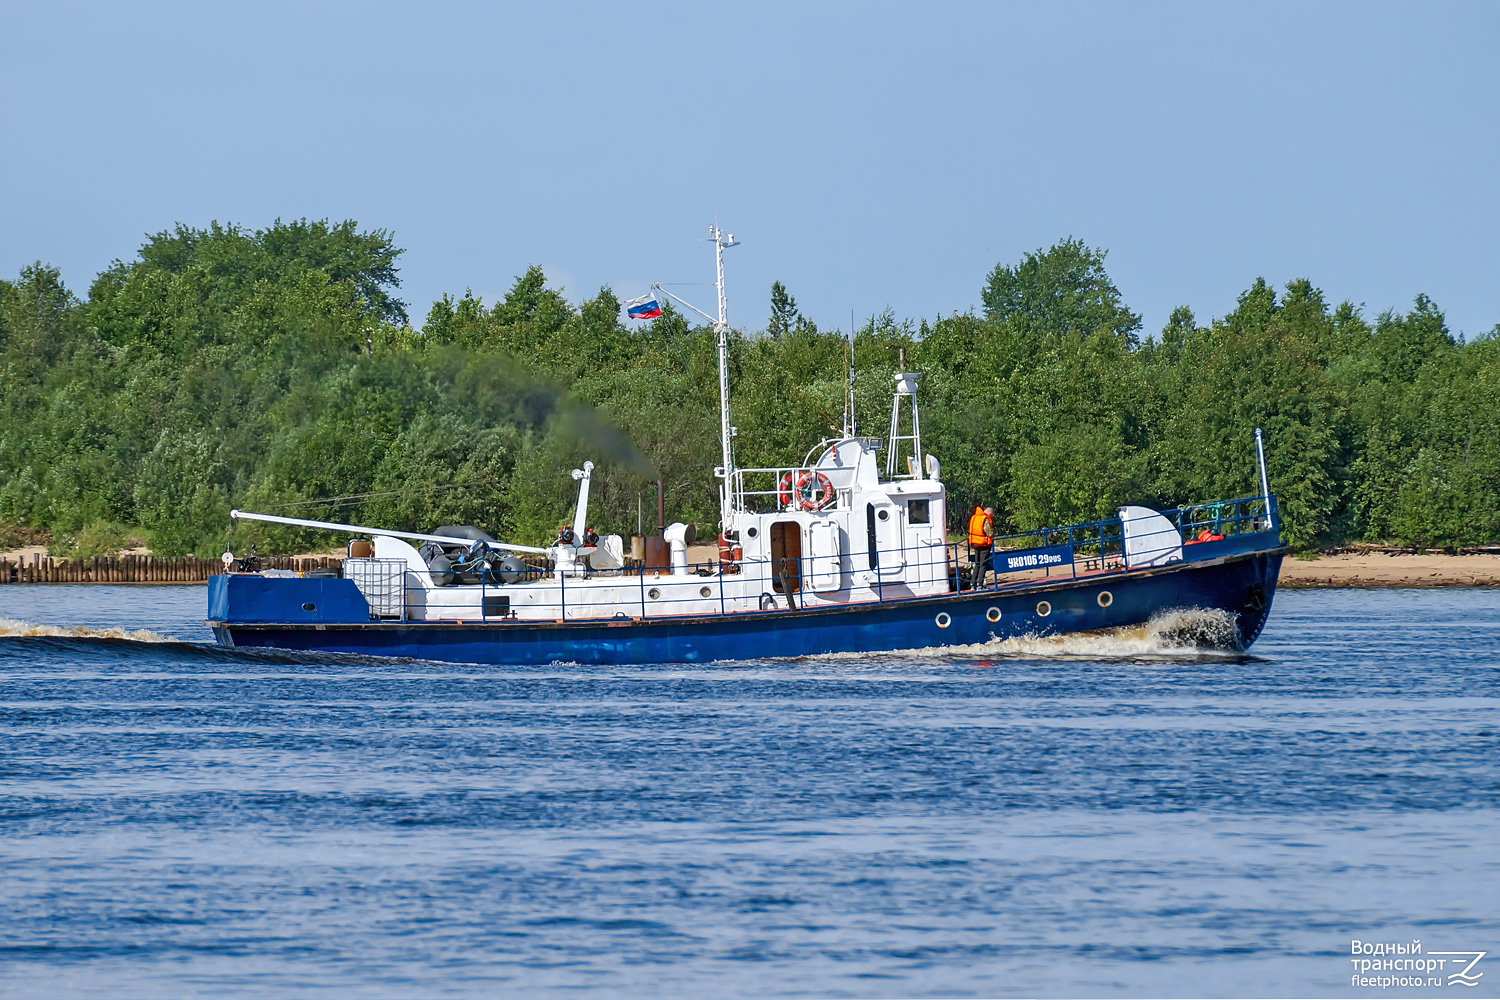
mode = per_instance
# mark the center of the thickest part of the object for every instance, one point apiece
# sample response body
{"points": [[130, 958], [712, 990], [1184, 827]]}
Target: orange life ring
{"points": [[810, 490]]}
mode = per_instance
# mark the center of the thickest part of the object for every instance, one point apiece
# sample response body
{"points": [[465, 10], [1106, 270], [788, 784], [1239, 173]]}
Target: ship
{"points": [[847, 551]]}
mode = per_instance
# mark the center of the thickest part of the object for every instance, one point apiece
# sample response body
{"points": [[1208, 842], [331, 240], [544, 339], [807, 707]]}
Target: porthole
{"points": [[993, 614], [943, 621], [309, 607], [1106, 598], [751, 531], [1043, 609], [705, 592], [884, 515], [653, 593]]}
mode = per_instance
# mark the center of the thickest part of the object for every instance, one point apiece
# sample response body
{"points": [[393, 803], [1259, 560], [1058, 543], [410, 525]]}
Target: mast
{"points": [[906, 388], [721, 328], [720, 240], [1265, 487]]}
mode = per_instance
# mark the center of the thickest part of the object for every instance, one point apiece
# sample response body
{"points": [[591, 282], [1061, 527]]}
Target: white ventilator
{"points": [[1151, 539]]}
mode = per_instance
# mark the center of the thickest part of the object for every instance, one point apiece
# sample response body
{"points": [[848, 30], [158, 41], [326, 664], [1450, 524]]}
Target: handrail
{"points": [[1175, 515], [1093, 549]]}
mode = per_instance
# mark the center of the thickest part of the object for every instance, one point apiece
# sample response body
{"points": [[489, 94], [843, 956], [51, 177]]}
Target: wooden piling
{"points": [[140, 569]]}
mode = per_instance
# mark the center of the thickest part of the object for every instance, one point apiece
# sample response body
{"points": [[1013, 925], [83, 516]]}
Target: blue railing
{"points": [[1099, 546], [645, 592], [1093, 548], [1226, 517]]}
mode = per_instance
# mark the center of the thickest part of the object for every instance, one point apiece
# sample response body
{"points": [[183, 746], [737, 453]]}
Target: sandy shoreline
{"points": [[1379, 569]]}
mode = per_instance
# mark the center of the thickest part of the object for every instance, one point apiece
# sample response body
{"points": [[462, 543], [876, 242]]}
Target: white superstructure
{"points": [[828, 532]]}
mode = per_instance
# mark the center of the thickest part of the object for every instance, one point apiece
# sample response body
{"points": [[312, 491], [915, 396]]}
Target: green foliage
{"points": [[1258, 366], [1062, 290], [274, 370], [16, 536], [101, 538], [785, 317]]}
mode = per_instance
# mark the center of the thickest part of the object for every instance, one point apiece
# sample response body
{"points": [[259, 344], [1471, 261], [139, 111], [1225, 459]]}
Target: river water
{"points": [[1100, 816]]}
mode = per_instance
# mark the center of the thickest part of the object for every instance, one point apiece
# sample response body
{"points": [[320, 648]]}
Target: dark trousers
{"points": [[981, 563]]}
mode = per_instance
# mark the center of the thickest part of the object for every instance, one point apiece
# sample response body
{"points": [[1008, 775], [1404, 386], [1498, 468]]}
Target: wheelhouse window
{"points": [[918, 512]]}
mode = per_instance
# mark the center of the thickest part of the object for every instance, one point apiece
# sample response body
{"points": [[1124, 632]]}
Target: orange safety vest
{"points": [[980, 529]]}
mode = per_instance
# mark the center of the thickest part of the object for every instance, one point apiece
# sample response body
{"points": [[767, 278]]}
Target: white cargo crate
{"points": [[383, 582]]}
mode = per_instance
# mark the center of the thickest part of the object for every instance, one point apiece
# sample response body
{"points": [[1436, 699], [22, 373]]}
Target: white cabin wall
{"points": [[913, 556]]}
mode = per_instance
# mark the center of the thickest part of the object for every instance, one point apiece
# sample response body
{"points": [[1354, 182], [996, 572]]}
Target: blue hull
{"points": [[1241, 584]]}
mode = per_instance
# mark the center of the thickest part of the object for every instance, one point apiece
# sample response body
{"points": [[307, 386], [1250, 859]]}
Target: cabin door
{"points": [[786, 557], [885, 535], [825, 571]]}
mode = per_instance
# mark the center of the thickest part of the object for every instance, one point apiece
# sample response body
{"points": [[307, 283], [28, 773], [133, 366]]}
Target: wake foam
{"points": [[1174, 633], [12, 627], [1180, 633]]}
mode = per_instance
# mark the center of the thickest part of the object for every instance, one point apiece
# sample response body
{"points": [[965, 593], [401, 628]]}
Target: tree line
{"points": [[276, 370]]}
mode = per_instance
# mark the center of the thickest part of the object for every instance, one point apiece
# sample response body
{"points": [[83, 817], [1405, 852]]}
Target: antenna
{"points": [[849, 427]]}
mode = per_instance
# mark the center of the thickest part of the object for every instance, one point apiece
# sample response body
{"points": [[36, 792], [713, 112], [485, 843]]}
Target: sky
{"points": [[868, 155]]}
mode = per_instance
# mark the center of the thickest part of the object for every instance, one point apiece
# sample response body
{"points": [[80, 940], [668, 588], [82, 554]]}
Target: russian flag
{"points": [[645, 307]]}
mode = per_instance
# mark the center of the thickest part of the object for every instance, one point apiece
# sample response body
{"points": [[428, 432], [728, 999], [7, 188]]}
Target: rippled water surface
{"points": [[1102, 816]]}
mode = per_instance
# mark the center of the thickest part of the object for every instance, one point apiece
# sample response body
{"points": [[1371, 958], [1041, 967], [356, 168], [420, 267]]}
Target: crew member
{"points": [[981, 540]]}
